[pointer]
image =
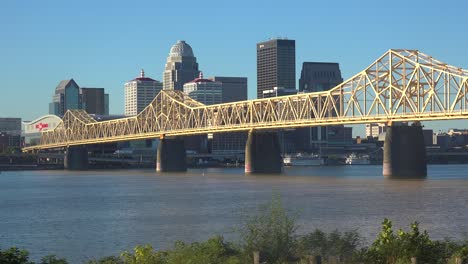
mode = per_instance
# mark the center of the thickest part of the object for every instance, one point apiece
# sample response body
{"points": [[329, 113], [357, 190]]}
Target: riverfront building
{"points": [[181, 67], [32, 129], [319, 76], [276, 65], [94, 101], [10, 133], [204, 91], [373, 130], [68, 95], [234, 88], [276, 76], [139, 93], [10, 125]]}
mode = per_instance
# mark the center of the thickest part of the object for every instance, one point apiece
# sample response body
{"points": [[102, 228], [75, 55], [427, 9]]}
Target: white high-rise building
{"points": [[181, 66], [204, 91], [139, 93]]}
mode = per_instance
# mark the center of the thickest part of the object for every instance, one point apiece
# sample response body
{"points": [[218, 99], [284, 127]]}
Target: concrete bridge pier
{"points": [[404, 152], [171, 156], [76, 158], [262, 153]]}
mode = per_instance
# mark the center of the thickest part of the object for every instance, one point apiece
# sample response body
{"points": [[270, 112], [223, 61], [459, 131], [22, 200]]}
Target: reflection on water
{"points": [[80, 215]]}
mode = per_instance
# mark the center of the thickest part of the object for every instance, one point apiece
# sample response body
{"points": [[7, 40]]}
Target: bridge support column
{"points": [[76, 158], [171, 156], [404, 152], [262, 153]]}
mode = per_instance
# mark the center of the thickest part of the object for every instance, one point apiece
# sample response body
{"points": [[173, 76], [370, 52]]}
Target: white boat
{"points": [[354, 159], [303, 160]]}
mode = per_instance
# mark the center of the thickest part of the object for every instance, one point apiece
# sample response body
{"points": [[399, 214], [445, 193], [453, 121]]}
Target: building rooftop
{"points": [[200, 79], [181, 49], [142, 77], [63, 84]]}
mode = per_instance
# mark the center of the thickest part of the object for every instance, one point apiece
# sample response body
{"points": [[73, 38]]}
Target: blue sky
{"points": [[105, 43]]}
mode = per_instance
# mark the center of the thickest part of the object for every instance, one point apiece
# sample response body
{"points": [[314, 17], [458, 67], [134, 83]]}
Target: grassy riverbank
{"points": [[271, 232]]}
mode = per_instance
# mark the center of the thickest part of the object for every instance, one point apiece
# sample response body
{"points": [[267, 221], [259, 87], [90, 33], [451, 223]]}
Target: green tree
{"points": [[52, 259], [271, 232], [107, 260], [389, 248], [213, 251], [14, 256], [143, 255], [342, 245]]}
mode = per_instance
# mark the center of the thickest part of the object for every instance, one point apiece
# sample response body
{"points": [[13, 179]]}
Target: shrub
{"points": [[52, 259], [143, 255], [14, 256], [214, 250], [389, 248], [107, 260], [342, 245], [271, 232]]}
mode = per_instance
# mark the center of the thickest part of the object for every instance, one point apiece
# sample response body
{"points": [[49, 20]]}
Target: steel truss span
{"points": [[401, 85]]}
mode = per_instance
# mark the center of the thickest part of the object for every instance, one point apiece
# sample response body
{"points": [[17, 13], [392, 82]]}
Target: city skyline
{"points": [[102, 57]]}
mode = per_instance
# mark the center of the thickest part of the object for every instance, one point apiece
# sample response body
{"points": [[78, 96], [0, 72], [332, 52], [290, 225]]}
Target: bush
{"points": [[271, 232], [389, 248], [143, 255], [52, 259], [107, 260], [14, 256], [335, 244], [214, 250]]}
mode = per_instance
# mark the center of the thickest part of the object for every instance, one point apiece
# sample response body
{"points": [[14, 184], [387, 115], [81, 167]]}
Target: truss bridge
{"points": [[400, 86]]}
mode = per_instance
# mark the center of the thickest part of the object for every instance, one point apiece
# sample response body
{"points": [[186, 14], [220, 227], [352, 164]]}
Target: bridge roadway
{"points": [[400, 86]]}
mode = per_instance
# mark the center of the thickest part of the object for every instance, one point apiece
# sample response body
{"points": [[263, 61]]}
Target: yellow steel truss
{"points": [[401, 85]]}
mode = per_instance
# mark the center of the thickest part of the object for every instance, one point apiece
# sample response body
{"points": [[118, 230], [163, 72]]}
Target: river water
{"points": [[81, 215]]}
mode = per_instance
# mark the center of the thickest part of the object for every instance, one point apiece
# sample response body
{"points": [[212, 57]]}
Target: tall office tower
{"points": [[204, 91], [94, 101], [67, 96], [276, 65], [139, 93], [233, 143], [234, 88], [181, 67], [319, 76]]}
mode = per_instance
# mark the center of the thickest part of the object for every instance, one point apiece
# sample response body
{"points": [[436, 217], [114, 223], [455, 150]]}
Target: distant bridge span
{"points": [[401, 85]]}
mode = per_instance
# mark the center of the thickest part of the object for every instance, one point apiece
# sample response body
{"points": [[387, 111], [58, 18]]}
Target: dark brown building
{"points": [[94, 101], [276, 65], [319, 76], [234, 88]]}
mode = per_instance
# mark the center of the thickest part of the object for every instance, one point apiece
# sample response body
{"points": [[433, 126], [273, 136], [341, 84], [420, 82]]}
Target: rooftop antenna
{"points": [[142, 73]]}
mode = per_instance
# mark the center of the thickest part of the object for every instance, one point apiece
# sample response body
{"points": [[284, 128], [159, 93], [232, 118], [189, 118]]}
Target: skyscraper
{"points": [[93, 101], [181, 67], [276, 65], [67, 96], [234, 88], [139, 93], [319, 76]]}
